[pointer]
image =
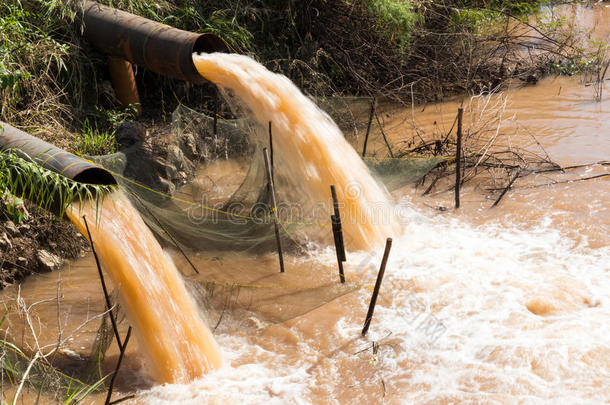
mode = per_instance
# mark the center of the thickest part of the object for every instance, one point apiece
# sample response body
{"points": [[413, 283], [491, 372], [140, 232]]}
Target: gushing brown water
{"points": [[179, 345], [308, 141], [522, 294]]}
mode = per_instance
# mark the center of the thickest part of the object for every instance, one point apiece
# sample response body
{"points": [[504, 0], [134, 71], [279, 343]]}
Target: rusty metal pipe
{"points": [[158, 47], [52, 158], [124, 83]]}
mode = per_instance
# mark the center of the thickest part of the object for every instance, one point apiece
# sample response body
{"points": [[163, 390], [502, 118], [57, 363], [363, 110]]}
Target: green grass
{"points": [[395, 18], [30, 58], [47, 189], [93, 141], [220, 17]]}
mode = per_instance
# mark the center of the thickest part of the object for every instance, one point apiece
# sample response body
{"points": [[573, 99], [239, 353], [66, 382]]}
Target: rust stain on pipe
{"points": [[158, 47], [52, 158]]}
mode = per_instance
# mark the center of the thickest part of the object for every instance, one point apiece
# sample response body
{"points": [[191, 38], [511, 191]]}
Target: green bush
{"points": [[29, 57], [396, 18]]}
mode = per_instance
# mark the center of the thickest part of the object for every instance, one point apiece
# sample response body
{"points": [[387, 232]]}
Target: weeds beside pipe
{"points": [[52, 158], [27, 162]]}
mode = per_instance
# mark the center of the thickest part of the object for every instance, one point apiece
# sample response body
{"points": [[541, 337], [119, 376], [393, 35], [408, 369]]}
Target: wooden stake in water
{"points": [[106, 296], [122, 345], [333, 193], [384, 261], [368, 127], [271, 152], [118, 366], [458, 158], [338, 234], [274, 209], [215, 125]]}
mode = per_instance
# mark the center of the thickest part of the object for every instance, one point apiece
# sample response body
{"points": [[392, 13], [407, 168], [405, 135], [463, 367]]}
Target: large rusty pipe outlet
{"points": [[158, 47], [52, 158]]}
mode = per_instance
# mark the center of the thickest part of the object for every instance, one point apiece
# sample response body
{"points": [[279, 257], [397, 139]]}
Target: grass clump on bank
{"points": [[92, 141], [33, 63]]}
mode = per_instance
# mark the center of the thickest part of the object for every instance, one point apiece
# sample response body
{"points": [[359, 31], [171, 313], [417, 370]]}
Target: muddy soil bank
{"points": [[34, 242]]}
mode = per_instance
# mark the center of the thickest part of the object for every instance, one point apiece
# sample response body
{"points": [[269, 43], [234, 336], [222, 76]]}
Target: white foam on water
{"points": [[486, 314]]}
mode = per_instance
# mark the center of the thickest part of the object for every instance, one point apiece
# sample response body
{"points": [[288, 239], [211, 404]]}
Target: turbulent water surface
{"points": [[486, 306]]}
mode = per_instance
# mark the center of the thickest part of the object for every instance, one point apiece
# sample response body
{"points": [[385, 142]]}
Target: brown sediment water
{"points": [[307, 141], [504, 305], [177, 342], [558, 117]]}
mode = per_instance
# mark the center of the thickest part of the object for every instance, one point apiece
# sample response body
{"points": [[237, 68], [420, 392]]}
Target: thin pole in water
{"points": [[368, 127], [274, 209], [510, 184], [384, 261], [215, 127], [385, 139], [106, 296], [125, 398], [118, 365], [338, 234], [458, 158], [271, 151]]}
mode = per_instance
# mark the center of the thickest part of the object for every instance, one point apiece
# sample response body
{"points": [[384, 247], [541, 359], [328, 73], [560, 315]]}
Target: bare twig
{"points": [[118, 366]]}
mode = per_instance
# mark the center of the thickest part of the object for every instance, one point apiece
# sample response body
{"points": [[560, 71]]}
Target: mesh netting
{"points": [[218, 214]]}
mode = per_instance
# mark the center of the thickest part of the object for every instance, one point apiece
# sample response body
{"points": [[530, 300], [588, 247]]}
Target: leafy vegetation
{"points": [[395, 18], [47, 189], [32, 63], [92, 141], [51, 82], [14, 207]]}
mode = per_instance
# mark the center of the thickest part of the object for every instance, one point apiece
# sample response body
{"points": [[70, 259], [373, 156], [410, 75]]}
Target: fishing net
{"points": [[208, 200]]}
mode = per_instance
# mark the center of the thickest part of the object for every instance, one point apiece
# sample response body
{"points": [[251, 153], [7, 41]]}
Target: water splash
{"points": [[309, 142], [179, 345]]}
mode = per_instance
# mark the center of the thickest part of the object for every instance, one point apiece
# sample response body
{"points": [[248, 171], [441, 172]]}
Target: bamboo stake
{"points": [[274, 210], [118, 365], [384, 261], [106, 296], [271, 152], [333, 193], [368, 127], [338, 234], [458, 158]]}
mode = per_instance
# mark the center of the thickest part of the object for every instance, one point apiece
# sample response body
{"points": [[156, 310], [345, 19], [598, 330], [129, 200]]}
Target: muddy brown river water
{"points": [[510, 305]]}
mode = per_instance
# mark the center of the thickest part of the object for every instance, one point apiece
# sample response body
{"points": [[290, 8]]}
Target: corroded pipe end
{"points": [[158, 47], [95, 175], [52, 158]]}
